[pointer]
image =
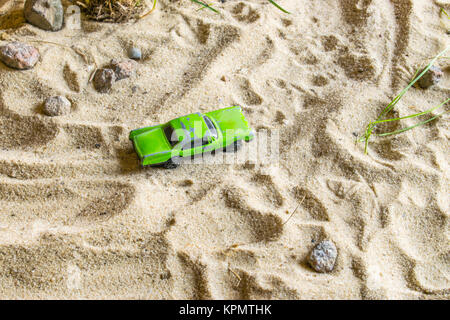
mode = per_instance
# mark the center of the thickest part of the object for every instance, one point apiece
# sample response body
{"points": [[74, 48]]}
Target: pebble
{"points": [[124, 68], [431, 77], [104, 80], [57, 106], [45, 14], [19, 55], [135, 53], [323, 257]]}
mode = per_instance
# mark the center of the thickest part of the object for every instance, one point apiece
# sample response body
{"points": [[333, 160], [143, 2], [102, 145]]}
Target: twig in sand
{"points": [[49, 42], [85, 58], [92, 75], [236, 275], [81, 4], [77, 51], [294, 210]]}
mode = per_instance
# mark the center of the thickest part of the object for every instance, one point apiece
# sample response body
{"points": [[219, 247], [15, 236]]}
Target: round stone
{"points": [[57, 106], [135, 53], [430, 78], [45, 14], [323, 257], [104, 80], [19, 55], [124, 68]]}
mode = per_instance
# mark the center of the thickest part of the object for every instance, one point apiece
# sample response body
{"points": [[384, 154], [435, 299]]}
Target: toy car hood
{"points": [[159, 143]]}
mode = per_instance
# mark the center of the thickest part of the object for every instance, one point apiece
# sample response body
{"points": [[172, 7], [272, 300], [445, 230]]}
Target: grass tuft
{"points": [[112, 10], [372, 125]]}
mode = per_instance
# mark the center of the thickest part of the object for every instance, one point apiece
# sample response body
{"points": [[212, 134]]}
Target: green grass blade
{"points": [[371, 126], [415, 79], [279, 7], [442, 10], [411, 127], [412, 115], [205, 5]]}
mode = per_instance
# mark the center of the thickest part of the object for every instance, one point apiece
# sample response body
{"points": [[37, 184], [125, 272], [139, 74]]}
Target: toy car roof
{"points": [[193, 125]]}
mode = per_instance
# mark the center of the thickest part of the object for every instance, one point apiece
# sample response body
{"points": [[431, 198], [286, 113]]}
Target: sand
{"points": [[80, 219]]}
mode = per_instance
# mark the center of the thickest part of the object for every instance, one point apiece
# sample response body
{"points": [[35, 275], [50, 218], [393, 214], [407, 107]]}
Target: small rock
{"points": [[104, 79], [123, 69], [165, 276], [431, 77], [171, 222], [323, 257], [57, 106], [135, 53], [224, 78], [19, 55], [45, 14]]}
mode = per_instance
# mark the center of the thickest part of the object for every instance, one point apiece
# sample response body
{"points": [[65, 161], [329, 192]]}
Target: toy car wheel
{"points": [[233, 147], [170, 164], [209, 153]]}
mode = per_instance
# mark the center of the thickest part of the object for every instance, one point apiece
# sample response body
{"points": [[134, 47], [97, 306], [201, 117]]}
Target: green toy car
{"points": [[194, 134]]}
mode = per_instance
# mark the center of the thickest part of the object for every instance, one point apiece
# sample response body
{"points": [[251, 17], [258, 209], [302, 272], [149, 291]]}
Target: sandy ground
{"points": [[80, 219]]}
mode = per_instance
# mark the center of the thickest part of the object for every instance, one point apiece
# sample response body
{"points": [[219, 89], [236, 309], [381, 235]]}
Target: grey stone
{"points": [[104, 80], [323, 257], [45, 14], [57, 106], [430, 78], [19, 55], [135, 53], [124, 68]]}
